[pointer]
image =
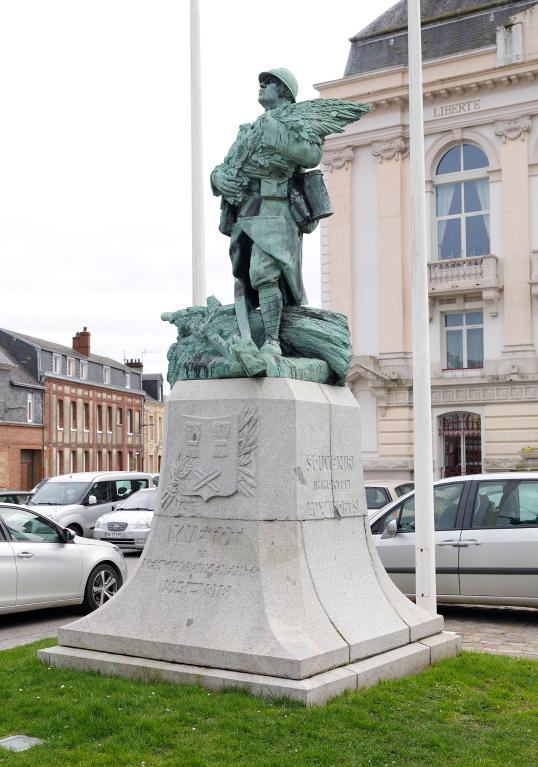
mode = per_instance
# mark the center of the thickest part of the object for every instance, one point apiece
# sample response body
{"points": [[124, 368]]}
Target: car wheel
{"points": [[75, 528], [102, 584]]}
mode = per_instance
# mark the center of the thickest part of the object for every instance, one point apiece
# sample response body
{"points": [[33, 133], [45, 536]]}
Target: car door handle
{"points": [[25, 555], [461, 544], [454, 542]]}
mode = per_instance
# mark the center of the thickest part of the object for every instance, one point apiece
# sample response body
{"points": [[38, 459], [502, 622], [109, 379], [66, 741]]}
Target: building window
{"points": [[30, 408], [129, 421], [127, 381], [462, 203], [99, 460], [461, 435], [60, 467], [160, 428], [86, 460], [150, 435], [109, 461], [57, 363], [73, 408], [119, 417], [131, 461], [464, 340], [73, 461], [137, 422], [83, 369], [109, 419], [119, 460], [106, 375], [60, 413], [86, 416], [99, 418], [70, 366]]}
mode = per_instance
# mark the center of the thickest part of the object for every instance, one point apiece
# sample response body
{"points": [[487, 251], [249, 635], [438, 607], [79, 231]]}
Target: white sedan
{"points": [[129, 525], [45, 565]]}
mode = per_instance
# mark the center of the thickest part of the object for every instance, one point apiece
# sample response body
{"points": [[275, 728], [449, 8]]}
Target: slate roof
{"points": [[151, 382], [448, 27], [17, 374], [50, 346]]}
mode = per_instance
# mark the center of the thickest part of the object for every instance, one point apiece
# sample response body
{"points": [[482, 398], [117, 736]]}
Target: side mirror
{"points": [[67, 535], [391, 529], [92, 500]]}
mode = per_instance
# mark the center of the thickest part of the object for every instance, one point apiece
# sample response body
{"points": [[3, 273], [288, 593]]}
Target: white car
{"points": [[128, 526], [378, 494], [77, 500], [486, 539], [45, 565]]}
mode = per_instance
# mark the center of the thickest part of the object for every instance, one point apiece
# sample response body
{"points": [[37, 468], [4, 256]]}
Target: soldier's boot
{"points": [[271, 311]]}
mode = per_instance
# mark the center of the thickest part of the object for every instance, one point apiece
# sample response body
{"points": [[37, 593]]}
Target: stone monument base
{"points": [[313, 691], [260, 571]]}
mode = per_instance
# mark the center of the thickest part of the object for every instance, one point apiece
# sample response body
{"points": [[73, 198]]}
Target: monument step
{"points": [[313, 691]]}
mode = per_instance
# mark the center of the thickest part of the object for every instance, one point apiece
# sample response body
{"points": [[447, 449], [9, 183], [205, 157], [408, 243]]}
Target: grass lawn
{"points": [[473, 710]]}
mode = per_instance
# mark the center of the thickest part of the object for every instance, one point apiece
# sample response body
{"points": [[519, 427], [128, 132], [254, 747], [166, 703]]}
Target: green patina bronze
{"points": [[315, 345], [270, 198]]}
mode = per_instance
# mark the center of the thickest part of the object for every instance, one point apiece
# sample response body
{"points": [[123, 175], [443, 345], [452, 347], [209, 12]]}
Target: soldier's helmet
{"points": [[284, 76]]}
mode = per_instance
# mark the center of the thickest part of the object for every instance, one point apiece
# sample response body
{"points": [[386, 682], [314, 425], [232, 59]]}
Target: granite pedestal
{"points": [[260, 571]]}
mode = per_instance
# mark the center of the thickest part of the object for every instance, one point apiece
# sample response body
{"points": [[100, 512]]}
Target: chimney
{"points": [[81, 342], [137, 365]]}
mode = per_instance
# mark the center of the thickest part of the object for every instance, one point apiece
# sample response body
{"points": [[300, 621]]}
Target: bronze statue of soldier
{"points": [[266, 204]]}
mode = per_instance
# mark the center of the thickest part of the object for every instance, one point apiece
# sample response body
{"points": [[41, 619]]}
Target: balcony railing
{"points": [[461, 275]]}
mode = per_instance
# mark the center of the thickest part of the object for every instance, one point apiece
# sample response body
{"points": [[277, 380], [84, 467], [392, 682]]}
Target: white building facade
{"points": [[481, 155]]}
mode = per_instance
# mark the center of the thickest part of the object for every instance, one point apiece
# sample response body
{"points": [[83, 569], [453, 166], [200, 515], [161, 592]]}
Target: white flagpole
{"points": [[198, 244], [426, 592]]}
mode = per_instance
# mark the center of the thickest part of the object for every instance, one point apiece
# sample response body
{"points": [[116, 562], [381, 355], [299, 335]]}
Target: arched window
{"points": [[462, 203]]}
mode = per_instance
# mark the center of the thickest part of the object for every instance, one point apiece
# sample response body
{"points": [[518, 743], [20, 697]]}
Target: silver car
{"points": [[486, 535], [128, 526], [45, 565]]}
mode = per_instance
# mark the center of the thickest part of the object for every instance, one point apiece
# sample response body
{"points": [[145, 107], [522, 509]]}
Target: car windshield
{"points": [[59, 493], [144, 500]]}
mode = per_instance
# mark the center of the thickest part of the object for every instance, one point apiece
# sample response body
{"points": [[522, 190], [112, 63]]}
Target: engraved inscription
{"points": [[341, 507], [332, 484], [197, 572], [460, 107], [330, 462], [205, 570], [215, 535], [320, 471], [210, 590]]}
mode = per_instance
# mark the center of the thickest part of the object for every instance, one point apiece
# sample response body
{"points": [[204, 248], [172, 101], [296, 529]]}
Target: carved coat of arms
{"points": [[215, 458]]}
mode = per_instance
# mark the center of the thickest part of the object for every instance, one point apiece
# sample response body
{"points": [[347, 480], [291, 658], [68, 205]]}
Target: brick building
{"points": [[21, 426], [92, 405]]}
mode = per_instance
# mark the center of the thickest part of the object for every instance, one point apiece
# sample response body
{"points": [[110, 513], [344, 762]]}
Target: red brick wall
{"points": [[13, 439]]}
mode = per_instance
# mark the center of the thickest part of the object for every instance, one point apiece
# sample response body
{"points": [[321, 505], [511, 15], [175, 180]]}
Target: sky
{"points": [[95, 205]]}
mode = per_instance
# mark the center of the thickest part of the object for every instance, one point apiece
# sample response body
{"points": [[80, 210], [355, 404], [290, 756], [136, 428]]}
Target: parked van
{"points": [[77, 500]]}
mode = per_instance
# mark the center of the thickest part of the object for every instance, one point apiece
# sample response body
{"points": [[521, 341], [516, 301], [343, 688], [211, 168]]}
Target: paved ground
{"points": [[499, 630]]}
